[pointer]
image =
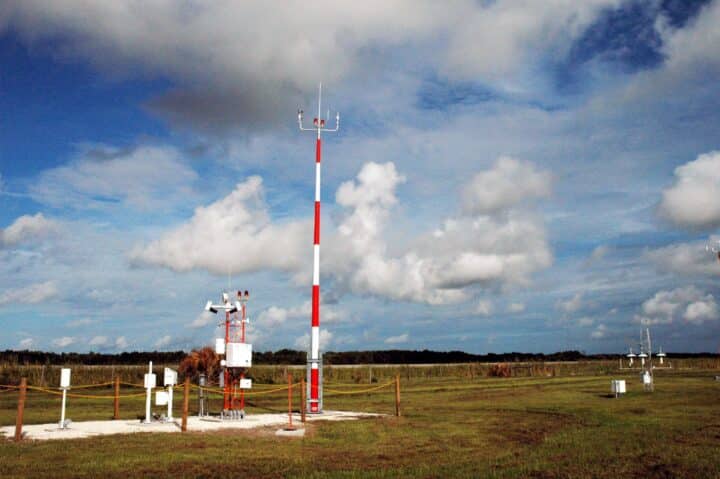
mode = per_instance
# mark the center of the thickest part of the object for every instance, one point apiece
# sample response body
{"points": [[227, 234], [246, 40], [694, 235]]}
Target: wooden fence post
{"points": [[302, 399], [397, 395], [116, 411], [20, 409], [186, 401], [290, 426]]}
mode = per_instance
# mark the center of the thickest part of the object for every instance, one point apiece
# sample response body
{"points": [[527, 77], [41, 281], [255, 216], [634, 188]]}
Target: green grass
{"points": [[451, 427]]}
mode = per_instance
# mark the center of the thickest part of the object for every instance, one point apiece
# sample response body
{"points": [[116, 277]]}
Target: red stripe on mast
{"points": [[318, 149], [316, 237], [315, 305]]}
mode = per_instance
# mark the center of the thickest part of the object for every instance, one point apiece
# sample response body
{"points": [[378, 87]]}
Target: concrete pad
{"points": [[42, 432], [299, 432]]}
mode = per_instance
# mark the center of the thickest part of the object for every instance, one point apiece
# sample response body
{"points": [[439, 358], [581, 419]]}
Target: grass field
{"points": [[451, 427]]}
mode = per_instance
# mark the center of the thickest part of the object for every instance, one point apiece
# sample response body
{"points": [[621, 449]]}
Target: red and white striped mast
{"points": [[314, 375]]}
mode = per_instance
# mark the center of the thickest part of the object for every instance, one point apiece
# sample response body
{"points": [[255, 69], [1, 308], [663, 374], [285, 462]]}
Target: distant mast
{"points": [[314, 375]]}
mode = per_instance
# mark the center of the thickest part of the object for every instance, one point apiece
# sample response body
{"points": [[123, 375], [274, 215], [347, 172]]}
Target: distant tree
{"points": [[199, 361]]}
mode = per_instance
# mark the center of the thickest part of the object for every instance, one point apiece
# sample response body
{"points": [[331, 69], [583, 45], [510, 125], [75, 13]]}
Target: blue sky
{"points": [[509, 175]]}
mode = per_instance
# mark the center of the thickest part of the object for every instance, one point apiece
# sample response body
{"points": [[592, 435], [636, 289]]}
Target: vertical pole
{"points": [[397, 395], [226, 373], [302, 399], [315, 320], [116, 412], [20, 409], [148, 396], [170, 402], [62, 409], [186, 401], [290, 424]]}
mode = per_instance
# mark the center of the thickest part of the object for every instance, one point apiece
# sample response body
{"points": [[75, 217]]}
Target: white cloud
{"points": [[585, 321], [26, 343], [218, 80], [31, 294], [599, 252], [515, 308], [98, 341], [234, 234], [27, 228], [484, 307], [203, 319], [143, 178], [465, 251], [571, 305], [507, 184], [121, 343], [400, 339], [705, 309], [686, 258], [689, 303], [599, 332], [303, 342], [692, 201], [76, 323], [501, 39], [163, 341], [63, 342]]}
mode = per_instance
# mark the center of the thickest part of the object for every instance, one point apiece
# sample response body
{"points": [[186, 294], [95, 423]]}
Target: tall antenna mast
{"points": [[314, 369]]}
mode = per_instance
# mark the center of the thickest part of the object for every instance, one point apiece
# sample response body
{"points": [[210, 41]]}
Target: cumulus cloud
{"points": [[400, 339], [163, 341], [27, 228], [234, 234], [219, 81], [31, 294], [26, 343], [303, 342], [599, 332], [484, 307], [203, 319], [507, 184], [121, 343], [688, 303], [686, 258], [571, 305], [275, 315], [692, 201], [515, 308], [75, 323], [143, 178], [64, 341], [98, 341], [464, 251]]}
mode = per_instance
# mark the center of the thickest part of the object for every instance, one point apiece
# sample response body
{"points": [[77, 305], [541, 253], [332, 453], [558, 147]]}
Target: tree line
{"points": [[290, 356]]}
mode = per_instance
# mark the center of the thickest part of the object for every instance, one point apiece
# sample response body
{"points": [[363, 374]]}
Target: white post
{"points": [[148, 397], [62, 411], [170, 399], [64, 385]]}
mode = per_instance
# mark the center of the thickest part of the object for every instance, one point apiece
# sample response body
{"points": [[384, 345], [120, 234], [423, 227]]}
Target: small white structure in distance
{"points": [[647, 381], [617, 387], [631, 357], [170, 380], [642, 357], [150, 383], [64, 385], [661, 355]]}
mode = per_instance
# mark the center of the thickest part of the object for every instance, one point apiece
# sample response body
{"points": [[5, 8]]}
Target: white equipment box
{"points": [[219, 346], [618, 386], [150, 381], [161, 398], [238, 355], [246, 384], [65, 378], [170, 377]]}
